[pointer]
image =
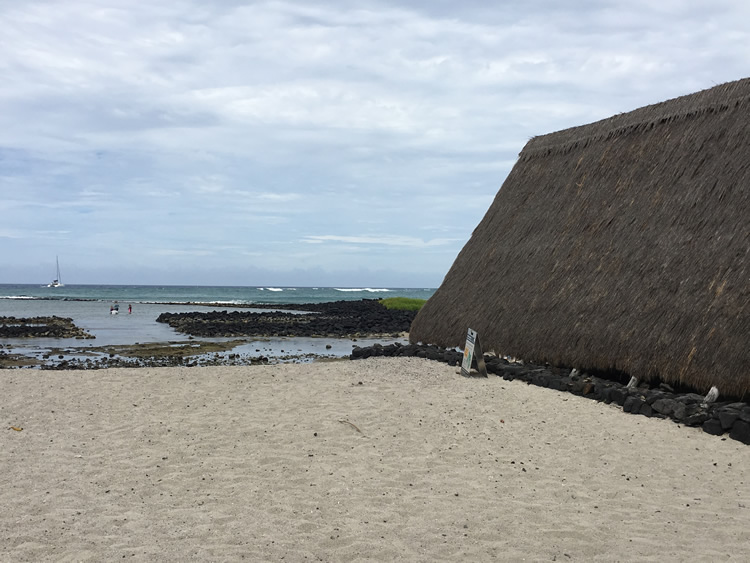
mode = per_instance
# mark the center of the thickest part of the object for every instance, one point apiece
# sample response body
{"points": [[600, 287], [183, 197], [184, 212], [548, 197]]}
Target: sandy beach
{"points": [[382, 459]]}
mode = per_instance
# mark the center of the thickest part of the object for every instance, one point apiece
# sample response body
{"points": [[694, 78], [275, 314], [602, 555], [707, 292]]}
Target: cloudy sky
{"points": [[350, 143]]}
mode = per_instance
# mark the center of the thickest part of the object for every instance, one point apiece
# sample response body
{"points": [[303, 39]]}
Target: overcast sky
{"points": [[351, 143]]}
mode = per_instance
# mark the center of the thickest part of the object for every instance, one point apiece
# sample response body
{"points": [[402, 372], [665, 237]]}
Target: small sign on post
{"points": [[472, 350]]}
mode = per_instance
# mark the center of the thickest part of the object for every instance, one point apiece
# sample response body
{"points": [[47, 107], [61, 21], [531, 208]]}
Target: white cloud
{"points": [[385, 240], [185, 252], [132, 127], [11, 233]]}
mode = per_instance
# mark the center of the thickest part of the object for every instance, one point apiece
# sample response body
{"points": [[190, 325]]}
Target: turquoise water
{"points": [[203, 294], [89, 307]]}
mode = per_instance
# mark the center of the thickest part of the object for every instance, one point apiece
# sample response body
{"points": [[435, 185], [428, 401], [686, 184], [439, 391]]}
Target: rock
{"points": [[540, 379], [679, 411], [690, 399], [618, 396], [727, 416], [557, 384], [513, 371], [740, 431], [695, 414], [664, 406], [433, 354], [336, 319], [646, 410], [601, 389], [606, 395], [41, 327], [654, 395], [576, 386], [633, 404], [713, 426]]}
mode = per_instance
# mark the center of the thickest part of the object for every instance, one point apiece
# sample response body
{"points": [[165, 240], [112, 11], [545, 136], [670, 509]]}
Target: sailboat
{"points": [[57, 282]]}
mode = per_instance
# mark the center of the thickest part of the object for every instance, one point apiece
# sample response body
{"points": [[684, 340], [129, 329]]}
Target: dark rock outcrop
{"points": [[40, 327], [335, 319]]}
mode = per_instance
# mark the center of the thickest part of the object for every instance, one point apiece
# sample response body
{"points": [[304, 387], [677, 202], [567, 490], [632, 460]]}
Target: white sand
{"points": [[265, 463]]}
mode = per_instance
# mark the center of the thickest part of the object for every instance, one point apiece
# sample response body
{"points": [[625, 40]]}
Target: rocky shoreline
{"points": [[350, 320], [189, 353], [337, 319], [691, 409], [41, 327]]}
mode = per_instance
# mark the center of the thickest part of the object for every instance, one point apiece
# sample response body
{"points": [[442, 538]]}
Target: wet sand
{"points": [[380, 459]]}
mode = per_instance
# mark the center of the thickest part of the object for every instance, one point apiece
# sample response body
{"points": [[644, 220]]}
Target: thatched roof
{"points": [[622, 244]]}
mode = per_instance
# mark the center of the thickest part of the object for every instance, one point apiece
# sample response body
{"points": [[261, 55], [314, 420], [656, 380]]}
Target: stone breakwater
{"points": [[41, 327], [340, 319], [690, 409]]}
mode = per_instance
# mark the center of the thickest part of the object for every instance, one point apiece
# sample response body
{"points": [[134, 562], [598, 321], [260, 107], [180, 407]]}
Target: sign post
{"points": [[472, 350]]}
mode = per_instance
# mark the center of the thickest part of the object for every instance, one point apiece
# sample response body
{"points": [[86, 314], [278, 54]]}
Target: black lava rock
{"points": [[713, 426], [335, 319], [740, 431]]}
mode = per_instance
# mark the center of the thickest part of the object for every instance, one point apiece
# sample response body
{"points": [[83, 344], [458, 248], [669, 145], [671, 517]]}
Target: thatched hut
{"points": [[619, 245]]}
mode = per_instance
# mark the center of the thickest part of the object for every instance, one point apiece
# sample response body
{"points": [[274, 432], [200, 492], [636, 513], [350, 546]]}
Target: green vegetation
{"points": [[403, 303]]}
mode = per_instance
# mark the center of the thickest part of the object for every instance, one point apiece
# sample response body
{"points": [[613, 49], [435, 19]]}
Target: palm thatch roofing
{"points": [[618, 245]]}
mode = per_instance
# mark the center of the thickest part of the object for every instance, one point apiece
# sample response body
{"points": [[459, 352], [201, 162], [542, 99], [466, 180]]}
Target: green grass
{"points": [[403, 303]]}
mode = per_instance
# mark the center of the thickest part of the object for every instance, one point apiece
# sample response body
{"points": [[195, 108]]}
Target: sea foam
{"points": [[371, 290]]}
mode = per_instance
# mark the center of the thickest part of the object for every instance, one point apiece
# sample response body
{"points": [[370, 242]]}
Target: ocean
{"points": [[89, 307], [201, 294]]}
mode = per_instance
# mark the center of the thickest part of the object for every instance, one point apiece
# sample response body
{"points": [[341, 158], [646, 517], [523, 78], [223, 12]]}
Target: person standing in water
{"points": [[130, 308]]}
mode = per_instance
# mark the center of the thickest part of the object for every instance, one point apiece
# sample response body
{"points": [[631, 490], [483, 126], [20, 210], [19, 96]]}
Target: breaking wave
{"points": [[369, 289]]}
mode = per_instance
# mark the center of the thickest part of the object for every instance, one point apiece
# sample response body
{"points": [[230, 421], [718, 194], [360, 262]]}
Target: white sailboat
{"points": [[57, 282]]}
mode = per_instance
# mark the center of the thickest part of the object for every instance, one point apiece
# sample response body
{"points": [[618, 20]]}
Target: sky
{"points": [[305, 143]]}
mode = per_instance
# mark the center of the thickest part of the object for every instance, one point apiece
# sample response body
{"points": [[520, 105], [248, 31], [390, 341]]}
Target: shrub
{"points": [[403, 303]]}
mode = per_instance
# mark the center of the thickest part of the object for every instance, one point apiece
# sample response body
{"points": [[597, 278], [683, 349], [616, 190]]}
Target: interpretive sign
{"points": [[472, 350]]}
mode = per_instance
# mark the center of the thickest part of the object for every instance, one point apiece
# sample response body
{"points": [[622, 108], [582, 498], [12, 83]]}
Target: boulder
{"points": [[740, 431], [727, 416], [664, 406], [713, 426]]}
